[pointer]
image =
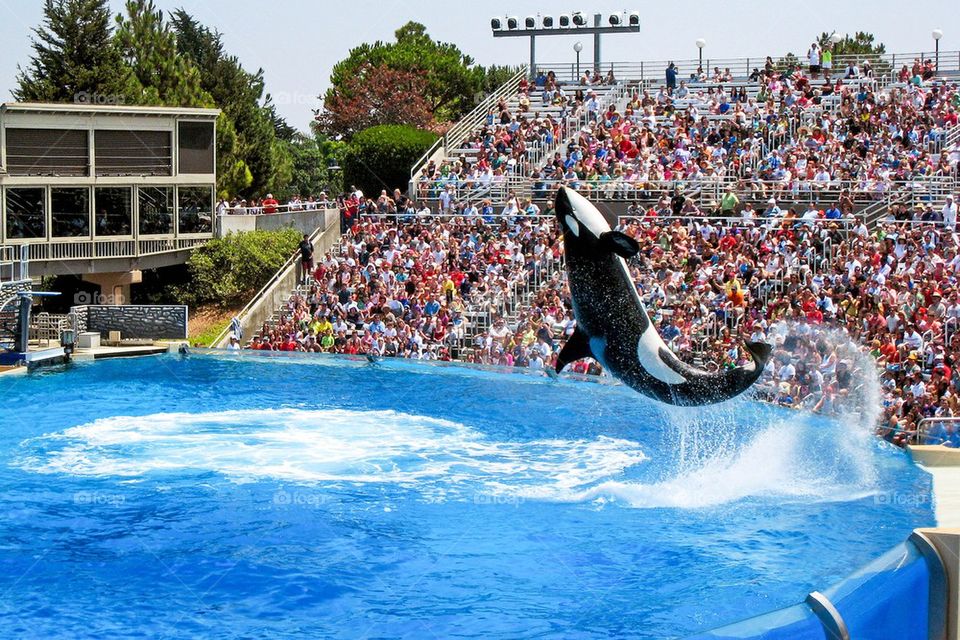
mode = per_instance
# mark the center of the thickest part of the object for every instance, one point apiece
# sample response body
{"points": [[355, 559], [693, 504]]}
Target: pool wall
{"points": [[908, 593]]}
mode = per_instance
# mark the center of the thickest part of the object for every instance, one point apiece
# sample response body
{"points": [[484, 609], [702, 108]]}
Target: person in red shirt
{"points": [[269, 204]]}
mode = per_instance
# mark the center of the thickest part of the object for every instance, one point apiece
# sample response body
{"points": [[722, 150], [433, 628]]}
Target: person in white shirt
{"points": [[949, 214]]}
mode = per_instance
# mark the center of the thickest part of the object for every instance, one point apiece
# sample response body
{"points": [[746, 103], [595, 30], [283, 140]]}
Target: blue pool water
{"points": [[282, 497]]}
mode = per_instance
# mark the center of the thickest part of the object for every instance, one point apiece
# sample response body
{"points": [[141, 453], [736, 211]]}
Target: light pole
{"points": [[937, 34], [701, 43], [578, 47]]}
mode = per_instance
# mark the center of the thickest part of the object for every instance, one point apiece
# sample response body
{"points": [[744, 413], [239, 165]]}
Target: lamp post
{"points": [[701, 43], [937, 34], [578, 47]]}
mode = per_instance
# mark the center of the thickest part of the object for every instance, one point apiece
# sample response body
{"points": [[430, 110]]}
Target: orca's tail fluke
{"points": [[760, 351]]}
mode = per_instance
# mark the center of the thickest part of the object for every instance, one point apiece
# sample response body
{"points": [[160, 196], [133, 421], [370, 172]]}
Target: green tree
{"points": [[861, 43], [496, 76], [74, 53], [149, 46], [453, 80], [316, 163], [231, 269], [256, 162], [380, 157], [861, 46]]}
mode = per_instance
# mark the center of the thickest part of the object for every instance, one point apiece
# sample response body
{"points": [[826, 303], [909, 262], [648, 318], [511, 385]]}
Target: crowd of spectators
{"points": [[780, 133], [536, 117], [269, 205], [404, 288], [417, 281]]}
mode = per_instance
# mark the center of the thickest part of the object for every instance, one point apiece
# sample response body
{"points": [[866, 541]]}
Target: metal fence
{"points": [[741, 68]]}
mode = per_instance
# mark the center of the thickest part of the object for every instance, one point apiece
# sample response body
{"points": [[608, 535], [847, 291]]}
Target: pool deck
{"points": [[102, 353], [946, 493]]}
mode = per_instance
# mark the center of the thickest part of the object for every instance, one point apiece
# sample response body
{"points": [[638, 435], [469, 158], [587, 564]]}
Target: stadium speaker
{"points": [[530, 22], [634, 19], [579, 19], [547, 22], [496, 24], [615, 20], [513, 22], [564, 21]]}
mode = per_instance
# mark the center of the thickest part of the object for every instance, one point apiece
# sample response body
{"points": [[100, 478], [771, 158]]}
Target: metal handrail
{"points": [[281, 273], [922, 430], [712, 187], [741, 67], [257, 210], [456, 134]]}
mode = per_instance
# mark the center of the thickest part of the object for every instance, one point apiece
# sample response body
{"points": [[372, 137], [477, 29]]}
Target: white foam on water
{"points": [[775, 464], [327, 446], [795, 457]]}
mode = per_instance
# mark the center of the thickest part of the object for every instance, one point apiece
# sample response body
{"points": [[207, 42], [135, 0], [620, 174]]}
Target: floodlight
{"points": [[496, 24], [564, 20], [615, 20], [547, 22], [513, 22], [634, 19], [579, 19]]}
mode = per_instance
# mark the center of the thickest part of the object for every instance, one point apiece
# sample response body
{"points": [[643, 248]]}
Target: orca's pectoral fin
{"points": [[619, 243], [576, 348]]}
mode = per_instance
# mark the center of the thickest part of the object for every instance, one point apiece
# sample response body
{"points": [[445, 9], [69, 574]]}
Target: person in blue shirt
{"points": [[833, 213], [671, 76]]}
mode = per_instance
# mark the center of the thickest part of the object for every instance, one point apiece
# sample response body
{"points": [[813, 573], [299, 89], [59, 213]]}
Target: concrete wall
{"points": [[326, 236], [302, 221], [153, 322]]}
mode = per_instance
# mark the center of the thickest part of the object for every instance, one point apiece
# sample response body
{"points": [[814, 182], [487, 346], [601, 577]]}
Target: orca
{"points": [[613, 325]]}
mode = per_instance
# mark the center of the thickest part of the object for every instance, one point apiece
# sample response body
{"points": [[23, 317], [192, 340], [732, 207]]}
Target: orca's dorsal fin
{"points": [[576, 348], [619, 243]]}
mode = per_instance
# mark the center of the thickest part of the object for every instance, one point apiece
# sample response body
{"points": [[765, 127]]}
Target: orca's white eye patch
{"points": [[573, 225]]}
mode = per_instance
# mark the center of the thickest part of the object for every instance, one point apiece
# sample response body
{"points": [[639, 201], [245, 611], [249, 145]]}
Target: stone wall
{"points": [[152, 322], [9, 288]]}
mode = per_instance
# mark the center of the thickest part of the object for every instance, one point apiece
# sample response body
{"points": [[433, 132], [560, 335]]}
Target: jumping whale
{"points": [[613, 326]]}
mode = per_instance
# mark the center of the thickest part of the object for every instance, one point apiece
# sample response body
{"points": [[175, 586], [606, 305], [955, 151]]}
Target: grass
{"points": [[208, 321]]}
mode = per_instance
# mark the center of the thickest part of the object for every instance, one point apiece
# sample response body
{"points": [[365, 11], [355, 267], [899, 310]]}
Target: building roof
{"points": [[83, 108]]}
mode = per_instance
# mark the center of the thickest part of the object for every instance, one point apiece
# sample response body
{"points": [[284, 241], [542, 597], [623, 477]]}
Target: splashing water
{"points": [[794, 455]]}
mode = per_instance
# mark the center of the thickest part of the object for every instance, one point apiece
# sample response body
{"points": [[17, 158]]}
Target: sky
{"points": [[297, 42]]}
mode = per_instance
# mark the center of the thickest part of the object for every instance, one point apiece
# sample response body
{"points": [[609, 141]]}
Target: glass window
{"points": [[113, 211], [26, 215], [133, 153], [196, 147], [196, 209], [70, 212], [156, 210]]}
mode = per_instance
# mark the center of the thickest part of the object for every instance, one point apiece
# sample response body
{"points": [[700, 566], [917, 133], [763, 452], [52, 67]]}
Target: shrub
{"points": [[231, 269], [381, 157]]}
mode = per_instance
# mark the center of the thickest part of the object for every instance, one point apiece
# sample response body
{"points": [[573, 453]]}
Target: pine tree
{"points": [[149, 46], [75, 56], [240, 94]]}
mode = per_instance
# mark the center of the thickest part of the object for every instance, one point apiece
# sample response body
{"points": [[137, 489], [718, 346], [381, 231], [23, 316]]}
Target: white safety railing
{"points": [[260, 209], [460, 131], [740, 68]]}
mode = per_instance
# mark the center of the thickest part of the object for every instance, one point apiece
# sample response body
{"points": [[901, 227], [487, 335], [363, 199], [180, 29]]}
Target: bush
{"points": [[381, 157], [230, 270]]}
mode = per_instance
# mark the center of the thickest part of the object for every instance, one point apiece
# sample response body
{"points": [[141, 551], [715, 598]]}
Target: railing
{"points": [[707, 190], [260, 210], [460, 131], [938, 430], [14, 263], [740, 68], [274, 291], [844, 225], [106, 249], [47, 327]]}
